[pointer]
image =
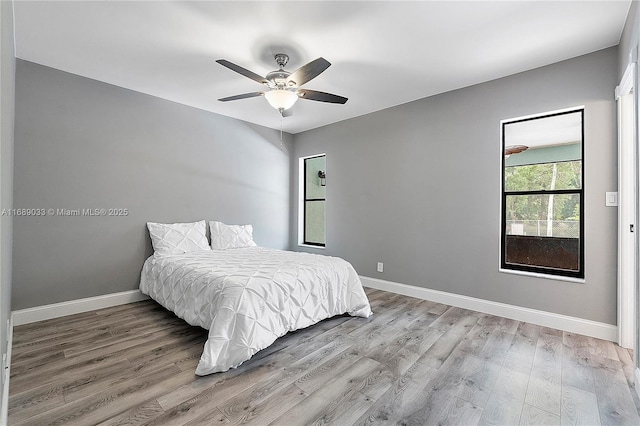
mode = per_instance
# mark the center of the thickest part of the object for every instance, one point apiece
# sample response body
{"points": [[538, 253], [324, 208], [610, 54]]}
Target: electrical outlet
{"points": [[380, 267]]}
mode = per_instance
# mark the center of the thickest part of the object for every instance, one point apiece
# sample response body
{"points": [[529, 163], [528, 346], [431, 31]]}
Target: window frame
{"points": [[532, 269], [303, 204]]}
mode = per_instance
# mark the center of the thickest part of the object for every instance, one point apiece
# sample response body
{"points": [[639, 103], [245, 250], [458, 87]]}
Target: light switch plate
{"points": [[611, 199]]}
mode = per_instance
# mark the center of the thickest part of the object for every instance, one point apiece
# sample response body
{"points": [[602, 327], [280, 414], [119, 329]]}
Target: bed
{"points": [[248, 296]]}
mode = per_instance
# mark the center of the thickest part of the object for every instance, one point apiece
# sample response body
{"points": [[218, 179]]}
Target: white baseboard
{"points": [[547, 319], [4, 406], [41, 313]]}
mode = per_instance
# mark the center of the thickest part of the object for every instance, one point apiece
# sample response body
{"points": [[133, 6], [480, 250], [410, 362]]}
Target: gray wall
{"points": [[81, 143], [629, 40], [7, 88], [417, 187]]}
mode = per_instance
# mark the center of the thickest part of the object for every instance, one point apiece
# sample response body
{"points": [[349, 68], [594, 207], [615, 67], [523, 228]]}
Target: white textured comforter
{"points": [[248, 297]]}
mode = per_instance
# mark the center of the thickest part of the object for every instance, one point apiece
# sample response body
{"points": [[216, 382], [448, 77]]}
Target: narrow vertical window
{"points": [[543, 194], [314, 200]]}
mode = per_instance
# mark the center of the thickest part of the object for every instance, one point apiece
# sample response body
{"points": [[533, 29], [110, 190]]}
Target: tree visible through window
{"points": [[314, 200], [542, 208]]}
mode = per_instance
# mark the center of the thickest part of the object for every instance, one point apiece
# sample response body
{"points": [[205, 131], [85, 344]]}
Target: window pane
{"points": [[548, 176], [314, 222], [543, 230], [556, 215], [314, 200], [545, 132], [314, 189]]}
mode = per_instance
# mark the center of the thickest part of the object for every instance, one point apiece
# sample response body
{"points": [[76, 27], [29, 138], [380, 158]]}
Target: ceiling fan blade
{"points": [[314, 95], [243, 96], [237, 68], [307, 72], [287, 112]]}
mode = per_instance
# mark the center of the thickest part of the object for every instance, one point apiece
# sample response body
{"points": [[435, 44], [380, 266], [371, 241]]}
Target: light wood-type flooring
{"points": [[413, 362]]}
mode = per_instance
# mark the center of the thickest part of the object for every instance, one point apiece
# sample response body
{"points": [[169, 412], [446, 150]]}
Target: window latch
{"points": [[631, 227]]}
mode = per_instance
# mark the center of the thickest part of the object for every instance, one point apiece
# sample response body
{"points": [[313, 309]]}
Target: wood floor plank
{"points": [[479, 382], [576, 371], [322, 406], [36, 399], [97, 407], [215, 417], [544, 389], [55, 336], [252, 399], [499, 323], [402, 391], [398, 356], [21, 411], [456, 330], [533, 416], [96, 383], [267, 410], [451, 318], [593, 346], [317, 377], [402, 346], [625, 357], [372, 344], [606, 371], [432, 402], [224, 386], [456, 412], [579, 407], [93, 358], [92, 338], [506, 401], [488, 341], [616, 405], [139, 415], [412, 362], [29, 337]]}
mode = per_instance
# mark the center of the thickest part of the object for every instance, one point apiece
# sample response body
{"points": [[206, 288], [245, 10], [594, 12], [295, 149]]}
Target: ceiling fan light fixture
{"points": [[281, 99]]}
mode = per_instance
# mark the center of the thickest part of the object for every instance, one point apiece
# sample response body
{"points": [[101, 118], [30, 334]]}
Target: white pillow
{"points": [[178, 238], [230, 236]]}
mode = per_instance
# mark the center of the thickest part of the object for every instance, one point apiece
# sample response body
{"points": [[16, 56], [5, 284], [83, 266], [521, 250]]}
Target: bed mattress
{"points": [[248, 297]]}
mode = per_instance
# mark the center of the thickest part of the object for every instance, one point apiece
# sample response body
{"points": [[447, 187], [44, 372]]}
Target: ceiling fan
{"points": [[284, 86]]}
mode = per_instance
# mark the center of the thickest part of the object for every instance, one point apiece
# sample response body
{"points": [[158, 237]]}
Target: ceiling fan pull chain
{"points": [[281, 144]]}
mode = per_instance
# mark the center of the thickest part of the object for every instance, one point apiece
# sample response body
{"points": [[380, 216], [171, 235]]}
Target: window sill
{"points": [[312, 246], [545, 276]]}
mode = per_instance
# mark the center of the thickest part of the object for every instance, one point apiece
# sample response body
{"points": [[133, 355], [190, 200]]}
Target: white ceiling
{"points": [[383, 53]]}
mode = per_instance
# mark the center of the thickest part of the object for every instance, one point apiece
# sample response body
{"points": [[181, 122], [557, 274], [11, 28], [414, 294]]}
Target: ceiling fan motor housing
{"points": [[279, 77]]}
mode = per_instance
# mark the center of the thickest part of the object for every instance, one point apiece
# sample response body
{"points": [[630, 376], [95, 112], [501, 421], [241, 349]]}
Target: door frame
{"points": [[627, 208]]}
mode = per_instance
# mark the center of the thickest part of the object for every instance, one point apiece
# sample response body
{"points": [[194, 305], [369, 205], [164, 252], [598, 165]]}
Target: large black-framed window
{"points": [[314, 200], [543, 194]]}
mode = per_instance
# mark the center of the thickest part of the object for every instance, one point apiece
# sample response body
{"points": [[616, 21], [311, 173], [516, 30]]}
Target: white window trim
{"points": [[301, 183], [527, 273], [545, 276]]}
